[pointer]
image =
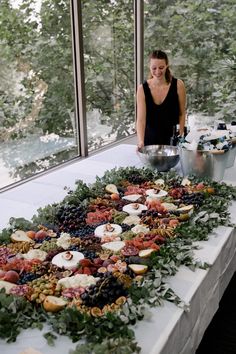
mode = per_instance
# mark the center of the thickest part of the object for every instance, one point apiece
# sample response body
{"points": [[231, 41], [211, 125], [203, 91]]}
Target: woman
{"points": [[161, 102]]}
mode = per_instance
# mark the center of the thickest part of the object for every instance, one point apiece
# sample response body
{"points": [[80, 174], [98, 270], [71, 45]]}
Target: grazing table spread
{"points": [[161, 263]]}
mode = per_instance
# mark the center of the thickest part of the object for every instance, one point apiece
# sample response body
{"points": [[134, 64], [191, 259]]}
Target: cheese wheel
{"points": [[154, 194], [62, 261], [134, 208], [108, 230]]}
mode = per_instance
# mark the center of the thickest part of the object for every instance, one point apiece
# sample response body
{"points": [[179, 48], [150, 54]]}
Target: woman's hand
{"points": [[139, 146]]}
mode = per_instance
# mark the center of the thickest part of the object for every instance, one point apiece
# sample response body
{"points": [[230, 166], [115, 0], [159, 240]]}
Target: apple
{"points": [[12, 276]]}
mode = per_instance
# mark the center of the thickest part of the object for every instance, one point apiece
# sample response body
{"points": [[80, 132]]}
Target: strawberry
{"points": [[85, 262], [87, 270]]}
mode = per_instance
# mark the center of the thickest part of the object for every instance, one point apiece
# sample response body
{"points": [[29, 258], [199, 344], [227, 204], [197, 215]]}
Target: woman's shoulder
{"points": [[179, 82], [142, 87], [180, 85]]}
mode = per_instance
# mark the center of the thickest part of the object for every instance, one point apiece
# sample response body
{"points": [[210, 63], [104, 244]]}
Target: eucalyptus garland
{"points": [[107, 328]]}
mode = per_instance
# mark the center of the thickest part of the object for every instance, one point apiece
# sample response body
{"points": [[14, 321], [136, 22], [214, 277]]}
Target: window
{"points": [[37, 121], [108, 37], [198, 38]]}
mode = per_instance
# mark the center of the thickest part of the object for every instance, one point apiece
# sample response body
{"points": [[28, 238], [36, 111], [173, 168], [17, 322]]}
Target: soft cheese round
{"points": [[153, 193], [103, 230], [134, 208], [61, 260]]}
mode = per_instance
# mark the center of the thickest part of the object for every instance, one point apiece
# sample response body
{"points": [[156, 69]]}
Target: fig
{"points": [[2, 273], [40, 235]]}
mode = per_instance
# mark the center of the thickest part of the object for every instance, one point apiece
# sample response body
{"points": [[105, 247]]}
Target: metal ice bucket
{"points": [[201, 163], [231, 156]]}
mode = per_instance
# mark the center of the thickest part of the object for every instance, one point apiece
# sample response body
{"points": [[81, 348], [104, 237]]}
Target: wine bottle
{"points": [[175, 136]]}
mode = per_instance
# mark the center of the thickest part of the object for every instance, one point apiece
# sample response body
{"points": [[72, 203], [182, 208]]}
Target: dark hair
{"points": [[159, 54]]}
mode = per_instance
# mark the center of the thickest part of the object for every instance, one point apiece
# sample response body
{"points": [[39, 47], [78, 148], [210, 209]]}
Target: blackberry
{"points": [[193, 198], [126, 227], [26, 277], [88, 253], [84, 231]]}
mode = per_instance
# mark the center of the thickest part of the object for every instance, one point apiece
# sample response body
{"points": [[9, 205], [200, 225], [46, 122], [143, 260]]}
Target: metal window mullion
{"points": [[78, 59], [139, 41], [138, 44]]}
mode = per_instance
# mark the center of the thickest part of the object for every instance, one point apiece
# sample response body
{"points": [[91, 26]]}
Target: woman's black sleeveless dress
{"points": [[160, 118]]}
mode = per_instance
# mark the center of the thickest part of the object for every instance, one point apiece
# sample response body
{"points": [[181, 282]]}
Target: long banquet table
{"points": [[168, 328]]}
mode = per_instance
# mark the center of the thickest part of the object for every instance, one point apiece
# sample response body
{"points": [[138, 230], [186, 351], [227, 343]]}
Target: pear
{"points": [[20, 236], [53, 303], [186, 209], [111, 188], [138, 268], [145, 253]]}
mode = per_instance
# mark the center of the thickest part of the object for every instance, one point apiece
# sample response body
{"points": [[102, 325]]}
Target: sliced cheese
{"points": [[35, 254], [76, 281], [140, 229], [132, 220], [114, 246], [132, 197]]}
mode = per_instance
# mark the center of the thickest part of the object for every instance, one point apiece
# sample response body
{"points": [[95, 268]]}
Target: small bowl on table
{"points": [[160, 157]]}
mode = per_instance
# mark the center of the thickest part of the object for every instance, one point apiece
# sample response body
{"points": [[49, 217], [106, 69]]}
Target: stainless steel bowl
{"points": [[160, 157]]}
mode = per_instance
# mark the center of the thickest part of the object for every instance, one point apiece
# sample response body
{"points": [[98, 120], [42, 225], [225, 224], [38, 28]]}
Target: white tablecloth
{"points": [[169, 330]]}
